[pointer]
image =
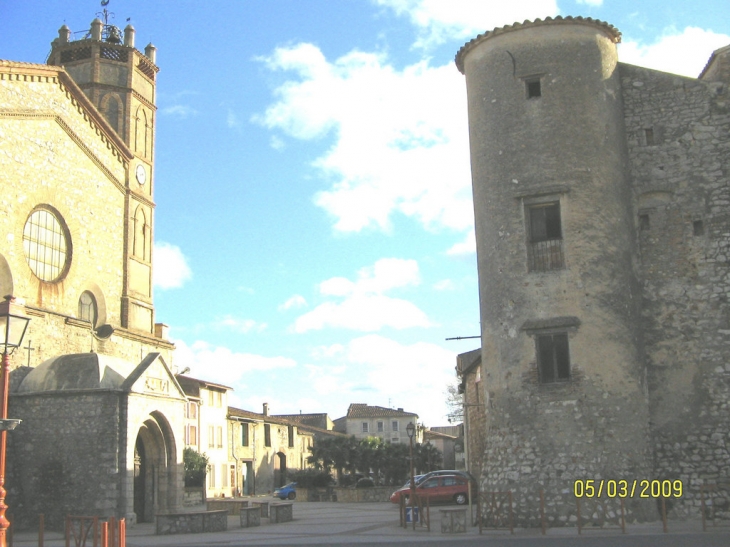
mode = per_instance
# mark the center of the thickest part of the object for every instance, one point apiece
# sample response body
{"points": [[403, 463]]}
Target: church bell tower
{"points": [[121, 82]]}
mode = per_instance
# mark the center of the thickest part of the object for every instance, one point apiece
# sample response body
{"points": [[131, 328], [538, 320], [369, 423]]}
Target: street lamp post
{"points": [[13, 323], [410, 429]]}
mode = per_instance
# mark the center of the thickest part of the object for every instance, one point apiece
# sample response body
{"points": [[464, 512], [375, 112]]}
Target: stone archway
{"points": [[155, 470]]}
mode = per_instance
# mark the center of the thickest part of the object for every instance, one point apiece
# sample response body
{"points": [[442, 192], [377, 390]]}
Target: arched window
{"points": [[46, 244], [87, 308], [141, 235]]}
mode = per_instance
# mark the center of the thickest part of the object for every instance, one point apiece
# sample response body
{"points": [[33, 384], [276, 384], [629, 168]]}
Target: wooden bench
{"points": [[250, 516], [233, 505], [281, 512], [264, 506], [453, 520], [191, 523]]}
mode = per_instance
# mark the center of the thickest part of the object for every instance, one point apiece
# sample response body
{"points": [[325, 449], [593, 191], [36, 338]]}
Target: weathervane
{"points": [[111, 33]]}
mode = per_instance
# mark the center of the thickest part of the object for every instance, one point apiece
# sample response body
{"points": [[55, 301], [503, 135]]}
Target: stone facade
{"points": [[469, 371], [363, 421], [102, 412], [264, 449], [601, 199]]}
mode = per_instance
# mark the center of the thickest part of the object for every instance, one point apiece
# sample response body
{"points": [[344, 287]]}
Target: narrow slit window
{"points": [[649, 136], [698, 228], [644, 223], [533, 87]]}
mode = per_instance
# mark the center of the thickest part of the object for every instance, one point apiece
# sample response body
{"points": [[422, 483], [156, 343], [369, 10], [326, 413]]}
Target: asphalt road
{"points": [[370, 524]]}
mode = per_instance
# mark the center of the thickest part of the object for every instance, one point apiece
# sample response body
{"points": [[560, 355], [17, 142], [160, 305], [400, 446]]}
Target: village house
{"points": [[206, 431], [264, 449], [363, 421]]}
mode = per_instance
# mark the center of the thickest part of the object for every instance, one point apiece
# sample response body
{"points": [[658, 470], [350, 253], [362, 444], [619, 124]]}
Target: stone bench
{"points": [[453, 520], [250, 516], [233, 506], [281, 512], [191, 523], [264, 506]]}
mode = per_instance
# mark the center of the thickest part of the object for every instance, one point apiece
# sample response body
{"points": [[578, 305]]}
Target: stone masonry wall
{"points": [[677, 134], [64, 457]]}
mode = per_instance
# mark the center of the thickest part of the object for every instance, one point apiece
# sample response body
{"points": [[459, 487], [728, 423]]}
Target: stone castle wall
{"points": [[677, 133], [638, 162]]}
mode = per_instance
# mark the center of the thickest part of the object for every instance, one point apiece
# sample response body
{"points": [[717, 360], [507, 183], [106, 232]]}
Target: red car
{"points": [[444, 488]]}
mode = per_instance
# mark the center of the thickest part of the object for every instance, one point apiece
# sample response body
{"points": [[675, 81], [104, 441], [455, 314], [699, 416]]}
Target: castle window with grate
{"points": [[545, 238]]}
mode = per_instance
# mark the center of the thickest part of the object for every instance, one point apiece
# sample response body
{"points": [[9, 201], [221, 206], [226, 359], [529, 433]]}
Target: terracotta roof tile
{"points": [[612, 31]]}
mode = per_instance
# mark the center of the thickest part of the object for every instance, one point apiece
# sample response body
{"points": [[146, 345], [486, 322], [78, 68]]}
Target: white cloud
{"points": [[232, 119], [412, 123], [468, 246], [236, 324], [413, 375], [444, 285], [440, 21], [171, 267], [363, 313], [179, 111], [594, 3], [323, 352], [685, 53], [220, 364], [296, 301], [365, 307]]}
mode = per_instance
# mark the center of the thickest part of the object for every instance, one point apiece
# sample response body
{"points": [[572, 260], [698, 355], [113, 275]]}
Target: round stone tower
{"points": [[564, 385]]}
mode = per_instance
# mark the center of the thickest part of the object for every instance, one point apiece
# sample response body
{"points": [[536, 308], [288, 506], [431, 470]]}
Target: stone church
{"points": [[602, 206], [101, 409]]}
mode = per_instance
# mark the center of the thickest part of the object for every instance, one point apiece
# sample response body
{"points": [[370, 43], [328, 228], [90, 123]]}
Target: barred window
{"points": [[545, 245], [46, 245]]}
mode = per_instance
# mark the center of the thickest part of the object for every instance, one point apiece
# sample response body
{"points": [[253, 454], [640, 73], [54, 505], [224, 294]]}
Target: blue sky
{"points": [[314, 226]]}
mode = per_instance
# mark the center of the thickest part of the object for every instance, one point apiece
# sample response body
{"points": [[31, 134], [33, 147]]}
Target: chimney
{"points": [[266, 409]]}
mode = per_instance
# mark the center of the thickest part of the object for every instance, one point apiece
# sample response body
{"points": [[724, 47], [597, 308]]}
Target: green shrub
{"points": [[310, 478], [196, 465]]}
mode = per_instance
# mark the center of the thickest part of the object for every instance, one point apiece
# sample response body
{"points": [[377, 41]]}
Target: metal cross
{"points": [[29, 350]]}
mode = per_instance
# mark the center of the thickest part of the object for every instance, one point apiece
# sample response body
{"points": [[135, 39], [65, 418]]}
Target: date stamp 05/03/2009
{"points": [[598, 488]]}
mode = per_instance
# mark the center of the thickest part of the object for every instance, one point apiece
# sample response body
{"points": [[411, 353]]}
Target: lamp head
{"points": [[13, 322]]}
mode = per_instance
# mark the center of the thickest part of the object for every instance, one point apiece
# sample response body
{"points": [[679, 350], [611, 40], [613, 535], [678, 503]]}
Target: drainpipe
{"points": [[235, 461]]}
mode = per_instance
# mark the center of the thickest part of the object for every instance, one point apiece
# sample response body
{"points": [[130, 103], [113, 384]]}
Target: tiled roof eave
{"points": [[609, 29]]}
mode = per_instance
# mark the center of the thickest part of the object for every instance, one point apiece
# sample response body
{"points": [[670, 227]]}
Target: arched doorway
{"points": [[279, 469], [155, 470]]}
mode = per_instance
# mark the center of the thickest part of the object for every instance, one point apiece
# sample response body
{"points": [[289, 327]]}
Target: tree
{"points": [[454, 402], [196, 466], [426, 457], [338, 453], [396, 468]]}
